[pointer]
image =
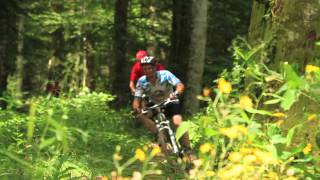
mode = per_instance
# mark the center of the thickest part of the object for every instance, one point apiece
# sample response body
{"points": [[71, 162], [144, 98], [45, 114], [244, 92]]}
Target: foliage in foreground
{"points": [[62, 138], [241, 134]]}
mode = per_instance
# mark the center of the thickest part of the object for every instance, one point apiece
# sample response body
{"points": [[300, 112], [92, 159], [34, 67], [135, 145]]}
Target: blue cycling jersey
{"points": [[161, 90]]}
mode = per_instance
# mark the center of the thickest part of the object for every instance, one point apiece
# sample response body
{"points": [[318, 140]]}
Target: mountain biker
{"points": [[137, 72], [158, 86]]}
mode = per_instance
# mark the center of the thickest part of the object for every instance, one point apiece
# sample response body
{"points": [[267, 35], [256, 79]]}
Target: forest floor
{"points": [[129, 135]]}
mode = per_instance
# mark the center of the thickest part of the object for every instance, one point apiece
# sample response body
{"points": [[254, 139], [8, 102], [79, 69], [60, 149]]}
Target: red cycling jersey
{"points": [[137, 71]]}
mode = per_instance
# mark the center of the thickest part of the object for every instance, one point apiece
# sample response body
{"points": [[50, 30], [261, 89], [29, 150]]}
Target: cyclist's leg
{"points": [[173, 111], [147, 122]]}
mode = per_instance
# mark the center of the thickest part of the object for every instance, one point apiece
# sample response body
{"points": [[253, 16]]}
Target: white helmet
{"points": [[148, 60]]}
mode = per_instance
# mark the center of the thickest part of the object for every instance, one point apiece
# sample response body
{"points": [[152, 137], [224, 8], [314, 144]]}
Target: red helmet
{"points": [[141, 54]]}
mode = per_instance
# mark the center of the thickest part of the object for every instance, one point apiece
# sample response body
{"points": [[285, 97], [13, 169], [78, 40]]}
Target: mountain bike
{"points": [[166, 132]]}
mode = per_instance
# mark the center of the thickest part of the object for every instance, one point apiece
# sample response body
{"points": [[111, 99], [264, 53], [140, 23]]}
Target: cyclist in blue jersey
{"points": [[158, 86]]}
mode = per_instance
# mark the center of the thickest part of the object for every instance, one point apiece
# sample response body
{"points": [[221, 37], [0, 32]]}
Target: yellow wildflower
{"points": [[278, 114], [235, 157], [308, 76], [245, 150], [311, 68], [265, 157], [245, 102], [249, 159], [122, 178], [307, 149], [241, 129], [224, 86], [230, 132], [118, 148], [155, 151], [206, 147], [103, 178], [280, 122], [234, 132], [210, 173], [231, 172], [312, 117], [290, 178], [272, 175], [117, 157], [145, 147], [136, 175], [114, 175], [140, 155]]}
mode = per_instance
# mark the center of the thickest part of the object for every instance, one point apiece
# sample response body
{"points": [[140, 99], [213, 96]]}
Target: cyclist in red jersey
{"points": [[137, 71]]}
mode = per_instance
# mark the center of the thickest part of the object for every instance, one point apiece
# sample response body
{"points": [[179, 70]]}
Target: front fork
{"points": [[164, 124]]}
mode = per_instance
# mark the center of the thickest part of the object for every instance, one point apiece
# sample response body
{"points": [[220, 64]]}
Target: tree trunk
{"points": [[258, 21], [7, 44], [294, 26], [20, 60], [294, 30], [56, 63], [196, 56], [119, 66], [297, 30], [180, 38]]}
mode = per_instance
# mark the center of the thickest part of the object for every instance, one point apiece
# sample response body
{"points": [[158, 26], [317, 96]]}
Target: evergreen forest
{"points": [[250, 71]]}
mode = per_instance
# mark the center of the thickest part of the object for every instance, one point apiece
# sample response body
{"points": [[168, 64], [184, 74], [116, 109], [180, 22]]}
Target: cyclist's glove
{"points": [[175, 95]]}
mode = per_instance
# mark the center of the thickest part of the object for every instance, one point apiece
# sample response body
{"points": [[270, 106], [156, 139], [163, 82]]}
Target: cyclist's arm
{"points": [[136, 103], [137, 96], [132, 86], [133, 78], [179, 88]]}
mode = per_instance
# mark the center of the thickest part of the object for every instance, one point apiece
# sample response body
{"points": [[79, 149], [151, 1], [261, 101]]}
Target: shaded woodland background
{"points": [[65, 102], [92, 44], [77, 44]]}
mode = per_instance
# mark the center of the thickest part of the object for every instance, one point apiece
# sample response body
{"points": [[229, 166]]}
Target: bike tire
{"points": [[164, 143]]}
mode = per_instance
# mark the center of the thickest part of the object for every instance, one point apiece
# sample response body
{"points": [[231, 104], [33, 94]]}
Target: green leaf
{"points": [[253, 51], [66, 172], [273, 130], [31, 120], [291, 133], [299, 148], [282, 89], [245, 117], [272, 148], [285, 155], [239, 53], [210, 132], [317, 43], [47, 142], [318, 139], [278, 139], [16, 158], [289, 98], [292, 79], [273, 95], [183, 128], [256, 111], [272, 101]]}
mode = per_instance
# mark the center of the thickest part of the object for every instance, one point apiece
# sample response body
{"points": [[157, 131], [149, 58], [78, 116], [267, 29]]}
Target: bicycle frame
{"points": [[162, 123]]}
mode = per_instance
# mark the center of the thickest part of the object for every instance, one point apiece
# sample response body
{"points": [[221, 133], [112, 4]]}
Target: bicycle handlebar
{"points": [[161, 104]]}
